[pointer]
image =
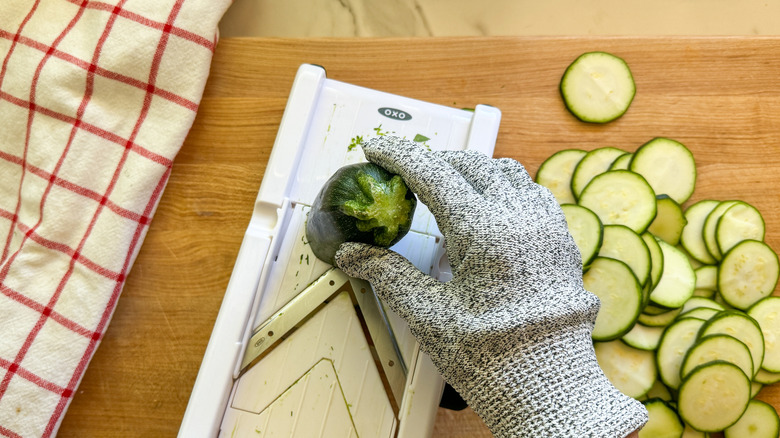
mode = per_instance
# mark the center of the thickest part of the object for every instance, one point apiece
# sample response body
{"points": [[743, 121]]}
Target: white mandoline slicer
{"points": [[298, 348]]}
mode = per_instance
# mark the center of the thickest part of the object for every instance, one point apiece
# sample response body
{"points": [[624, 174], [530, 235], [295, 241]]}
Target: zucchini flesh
{"points": [[748, 273], [678, 281], [767, 314], [710, 227], [643, 337], [620, 294], [620, 197], [707, 277], [675, 343], [622, 162], [692, 237], [586, 229], [360, 203], [714, 396], [663, 421], [741, 326], [760, 420], [661, 320], [668, 167], [669, 220], [739, 222], [592, 164], [718, 347], [597, 87], [630, 370], [656, 258], [622, 243], [555, 173]]}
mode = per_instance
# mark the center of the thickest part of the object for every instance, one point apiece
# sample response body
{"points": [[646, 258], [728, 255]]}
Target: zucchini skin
{"points": [[328, 226]]}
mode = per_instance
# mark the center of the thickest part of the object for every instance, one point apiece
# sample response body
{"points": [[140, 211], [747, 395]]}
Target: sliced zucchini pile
{"points": [[688, 323]]}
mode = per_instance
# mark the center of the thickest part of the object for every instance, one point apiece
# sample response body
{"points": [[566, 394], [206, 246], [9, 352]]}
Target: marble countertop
{"points": [[404, 18]]}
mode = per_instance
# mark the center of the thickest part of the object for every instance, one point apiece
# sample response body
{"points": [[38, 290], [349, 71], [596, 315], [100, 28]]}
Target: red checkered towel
{"points": [[96, 98]]}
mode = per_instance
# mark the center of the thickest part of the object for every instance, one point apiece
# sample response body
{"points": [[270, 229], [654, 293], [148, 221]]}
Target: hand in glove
{"points": [[511, 332]]}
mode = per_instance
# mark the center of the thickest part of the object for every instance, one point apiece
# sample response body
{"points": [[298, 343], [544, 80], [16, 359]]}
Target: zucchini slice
{"points": [[678, 281], [767, 314], [620, 197], [698, 302], [748, 273], [643, 337], [741, 326], [622, 243], [620, 294], [360, 202], [766, 377], [704, 313], [669, 220], [692, 238], [707, 277], [586, 229], [597, 87], [760, 420], [663, 421], [592, 164], [739, 222], [713, 396], [718, 347], [630, 370], [711, 226], [668, 166], [656, 258], [661, 320], [622, 162], [555, 174], [678, 338], [659, 390]]}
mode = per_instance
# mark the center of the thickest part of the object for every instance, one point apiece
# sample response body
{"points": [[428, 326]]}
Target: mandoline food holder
{"points": [[325, 377]]}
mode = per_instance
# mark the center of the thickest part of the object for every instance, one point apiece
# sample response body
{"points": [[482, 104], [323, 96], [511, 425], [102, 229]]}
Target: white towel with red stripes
{"points": [[96, 98]]}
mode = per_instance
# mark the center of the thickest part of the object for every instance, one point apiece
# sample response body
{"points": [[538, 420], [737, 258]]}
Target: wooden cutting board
{"points": [[718, 96]]}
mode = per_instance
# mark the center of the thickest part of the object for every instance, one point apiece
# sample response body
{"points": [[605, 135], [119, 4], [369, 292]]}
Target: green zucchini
{"points": [[361, 202], [597, 87]]}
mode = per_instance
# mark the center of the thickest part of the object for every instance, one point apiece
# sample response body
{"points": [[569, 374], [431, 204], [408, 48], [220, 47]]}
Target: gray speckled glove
{"points": [[511, 332]]}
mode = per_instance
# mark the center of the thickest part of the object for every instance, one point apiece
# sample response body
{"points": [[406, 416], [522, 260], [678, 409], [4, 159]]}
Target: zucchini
{"points": [[361, 202], [760, 420], [741, 326], [663, 421], [659, 390], [643, 337], [748, 273], [555, 173], [707, 277], [622, 162], [620, 197], [592, 164], [661, 320], [714, 396], [586, 229], [622, 243], [668, 167], [669, 220], [766, 377], [739, 222], [711, 226], [678, 281], [678, 338], [767, 314], [621, 297], [718, 347], [698, 302], [597, 87], [692, 238], [704, 313], [630, 370], [656, 258]]}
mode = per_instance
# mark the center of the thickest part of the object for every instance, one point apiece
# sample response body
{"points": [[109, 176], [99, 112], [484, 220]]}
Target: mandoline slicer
{"points": [[299, 348]]}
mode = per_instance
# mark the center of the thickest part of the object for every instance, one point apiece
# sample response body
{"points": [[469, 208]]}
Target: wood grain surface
{"points": [[718, 96]]}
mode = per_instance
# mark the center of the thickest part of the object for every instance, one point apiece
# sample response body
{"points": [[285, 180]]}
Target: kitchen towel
{"points": [[96, 98]]}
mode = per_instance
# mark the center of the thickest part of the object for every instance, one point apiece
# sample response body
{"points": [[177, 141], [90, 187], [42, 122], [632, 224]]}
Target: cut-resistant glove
{"points": [[511, 331]]}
